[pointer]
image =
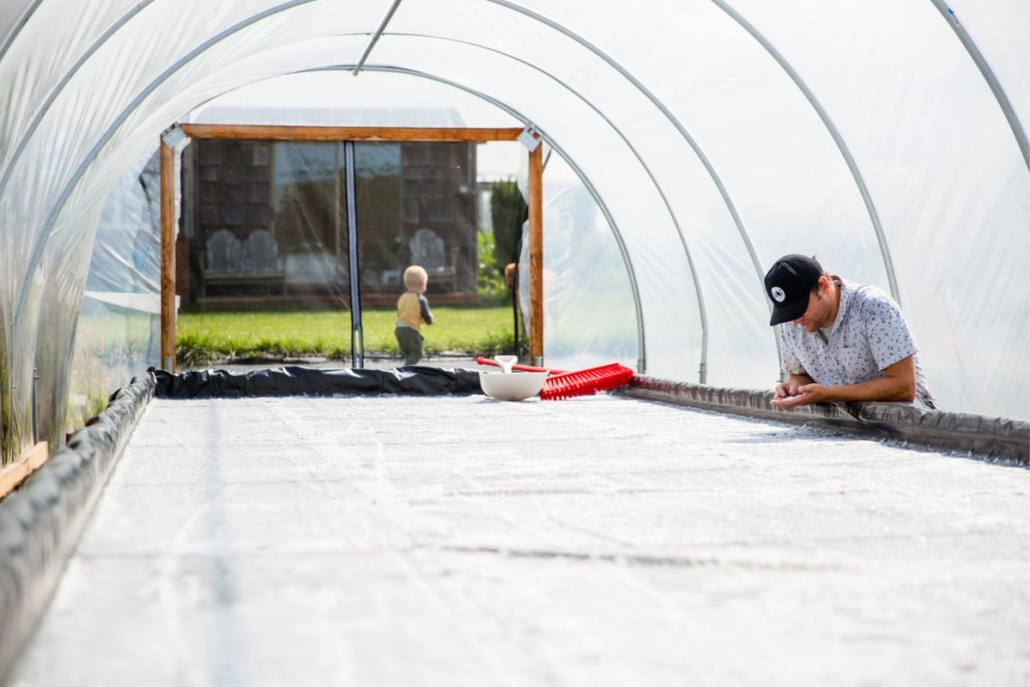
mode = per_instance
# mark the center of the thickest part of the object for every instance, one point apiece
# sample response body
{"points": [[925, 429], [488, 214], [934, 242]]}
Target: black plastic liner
{"points": [[41, 522], [295, 381], [986, 437]]}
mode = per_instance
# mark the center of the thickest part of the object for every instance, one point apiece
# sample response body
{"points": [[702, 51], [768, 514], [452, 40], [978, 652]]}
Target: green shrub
{"points": [[491, 288], [508, 211]]}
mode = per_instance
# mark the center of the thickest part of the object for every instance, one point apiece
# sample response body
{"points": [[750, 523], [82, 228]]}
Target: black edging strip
{"points": [[294, 380], [40, 523], [986, 437]]}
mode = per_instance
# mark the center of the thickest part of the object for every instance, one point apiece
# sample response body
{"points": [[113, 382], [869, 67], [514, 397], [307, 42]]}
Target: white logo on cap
{"points": [[778, 295]]}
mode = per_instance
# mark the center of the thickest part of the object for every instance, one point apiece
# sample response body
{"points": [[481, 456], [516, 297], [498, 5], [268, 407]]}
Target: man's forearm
{"points": [[898, 384], [892, 389]]}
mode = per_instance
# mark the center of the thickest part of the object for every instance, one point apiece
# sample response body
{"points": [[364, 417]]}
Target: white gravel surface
{"points": [[593, 541]]}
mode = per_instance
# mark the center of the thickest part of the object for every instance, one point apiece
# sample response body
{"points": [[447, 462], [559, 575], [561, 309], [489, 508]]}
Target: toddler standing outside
{"points": [[412, 312]]}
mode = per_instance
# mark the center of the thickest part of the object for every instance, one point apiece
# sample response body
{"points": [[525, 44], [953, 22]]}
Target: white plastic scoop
{"points": [[505, 362]]}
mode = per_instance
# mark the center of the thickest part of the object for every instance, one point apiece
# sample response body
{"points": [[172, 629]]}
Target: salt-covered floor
{"points": [[593, 541]]}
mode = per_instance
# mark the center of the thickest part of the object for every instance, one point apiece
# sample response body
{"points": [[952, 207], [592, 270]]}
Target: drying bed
{"points": [[401, 539]]}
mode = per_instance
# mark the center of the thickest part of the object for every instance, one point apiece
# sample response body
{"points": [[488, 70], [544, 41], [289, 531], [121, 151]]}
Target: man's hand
{"points": [[785, 395], [786, 390], [799, 395]]}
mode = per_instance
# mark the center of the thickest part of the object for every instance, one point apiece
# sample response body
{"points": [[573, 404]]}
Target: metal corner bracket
{"points": [[531, 137]]}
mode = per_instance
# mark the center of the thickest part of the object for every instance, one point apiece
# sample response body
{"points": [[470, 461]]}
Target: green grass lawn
{"points": [[207, 337]]}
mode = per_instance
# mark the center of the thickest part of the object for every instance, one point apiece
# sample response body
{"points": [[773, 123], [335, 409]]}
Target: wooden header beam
{"points": [[260, 132]]}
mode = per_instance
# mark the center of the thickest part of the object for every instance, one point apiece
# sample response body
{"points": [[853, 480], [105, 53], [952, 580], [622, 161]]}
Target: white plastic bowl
{"points": [[515, 386]]}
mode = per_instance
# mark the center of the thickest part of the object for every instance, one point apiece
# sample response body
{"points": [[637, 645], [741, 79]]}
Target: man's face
{"points": [[820, 308]]}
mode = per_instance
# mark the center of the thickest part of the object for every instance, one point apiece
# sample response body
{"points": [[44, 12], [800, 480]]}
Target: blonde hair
{"points": [[414, 276]]}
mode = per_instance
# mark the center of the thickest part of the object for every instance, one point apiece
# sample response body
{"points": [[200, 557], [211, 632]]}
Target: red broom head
{"points": [[586, 382]]}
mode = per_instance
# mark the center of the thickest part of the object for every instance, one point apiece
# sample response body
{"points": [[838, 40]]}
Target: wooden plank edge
{"points": [[168, 227], [262, 132], [16, 473]]}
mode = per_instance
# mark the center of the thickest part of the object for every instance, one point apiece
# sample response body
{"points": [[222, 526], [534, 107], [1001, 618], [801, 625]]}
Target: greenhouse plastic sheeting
{"points": [[711, 136]]}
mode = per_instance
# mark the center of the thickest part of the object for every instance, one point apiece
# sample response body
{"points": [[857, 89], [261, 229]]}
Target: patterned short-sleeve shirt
{"points": [[868, 335]]}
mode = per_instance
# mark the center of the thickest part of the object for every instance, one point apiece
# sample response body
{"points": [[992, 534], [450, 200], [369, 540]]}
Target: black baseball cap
{"points": [[788, 283]]}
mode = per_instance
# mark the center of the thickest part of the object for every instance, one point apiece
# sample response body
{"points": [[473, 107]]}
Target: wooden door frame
{"points": [[337, 134]]}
